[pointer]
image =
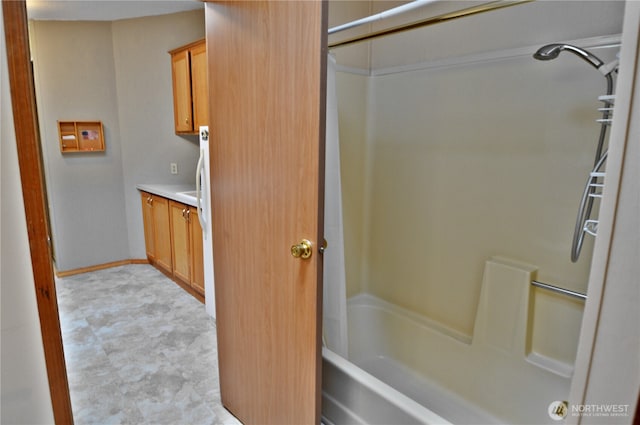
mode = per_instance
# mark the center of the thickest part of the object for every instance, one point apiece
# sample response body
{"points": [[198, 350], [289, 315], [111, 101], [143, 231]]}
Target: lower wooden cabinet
{"points": [[197, 255], [180, 245], [173, 240], [155, 213], [186, 245]]}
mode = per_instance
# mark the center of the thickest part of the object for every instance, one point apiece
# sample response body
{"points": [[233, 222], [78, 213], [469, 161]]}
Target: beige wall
{"points": [[120, 73], [341, 12], [466, 161], [471, 162], [24, 388], [75, 80], [537, 22]]}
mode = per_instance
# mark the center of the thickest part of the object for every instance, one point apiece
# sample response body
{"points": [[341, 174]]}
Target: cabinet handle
{"points": [[186, 120], [188, 215], [184, 212]]}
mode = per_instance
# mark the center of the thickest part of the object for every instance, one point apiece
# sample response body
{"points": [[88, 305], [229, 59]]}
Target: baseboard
{"points": [[197, 295], [81, 270]]}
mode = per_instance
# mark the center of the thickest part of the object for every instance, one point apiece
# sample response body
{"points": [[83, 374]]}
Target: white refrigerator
{"points": [[203, 194]]}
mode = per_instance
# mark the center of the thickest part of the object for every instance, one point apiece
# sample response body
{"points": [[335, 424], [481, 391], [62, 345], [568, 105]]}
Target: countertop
{"points": [[175, 192]]}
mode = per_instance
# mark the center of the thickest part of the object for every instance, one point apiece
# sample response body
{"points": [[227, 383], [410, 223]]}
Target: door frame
{"points": [[25, 120], [30, 161]]}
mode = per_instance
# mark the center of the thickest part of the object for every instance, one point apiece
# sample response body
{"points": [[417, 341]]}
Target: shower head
{"points": [[551, 51]]}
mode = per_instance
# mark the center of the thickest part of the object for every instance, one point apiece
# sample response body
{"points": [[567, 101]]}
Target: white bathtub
{"points": [[405, 369], [352, 396]]}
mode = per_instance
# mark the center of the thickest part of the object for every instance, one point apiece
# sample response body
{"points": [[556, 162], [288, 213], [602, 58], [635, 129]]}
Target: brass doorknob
{"points": [[301, 250]]}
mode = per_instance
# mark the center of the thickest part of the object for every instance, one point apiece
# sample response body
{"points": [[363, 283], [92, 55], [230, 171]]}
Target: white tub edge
{"points": [[393, 396], [367, 300]]}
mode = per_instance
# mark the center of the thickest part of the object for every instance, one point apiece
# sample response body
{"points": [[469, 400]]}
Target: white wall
{"points": [[537, 22], [145, 108], [118, 72], [24, 387], [75, 80]]}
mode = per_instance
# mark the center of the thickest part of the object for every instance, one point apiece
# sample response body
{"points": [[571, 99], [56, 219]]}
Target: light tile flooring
{"points": [[139, 350]]}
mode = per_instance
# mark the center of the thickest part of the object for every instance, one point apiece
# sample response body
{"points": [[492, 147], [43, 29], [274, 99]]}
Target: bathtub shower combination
{"points": [[386, 360]]}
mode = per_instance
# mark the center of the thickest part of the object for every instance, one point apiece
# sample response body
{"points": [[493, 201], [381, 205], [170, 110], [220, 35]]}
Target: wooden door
{"points": [[199, 91], [161, 232], [181, 73], [267, 70], [197, 255], [180, 241]]}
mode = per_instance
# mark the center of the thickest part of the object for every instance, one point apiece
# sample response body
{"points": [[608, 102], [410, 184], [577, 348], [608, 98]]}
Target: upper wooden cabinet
{"points": [[190, 95], [199, 85]]}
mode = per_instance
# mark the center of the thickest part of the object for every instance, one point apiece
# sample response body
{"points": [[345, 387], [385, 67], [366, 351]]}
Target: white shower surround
{"points": [[381, 313]]}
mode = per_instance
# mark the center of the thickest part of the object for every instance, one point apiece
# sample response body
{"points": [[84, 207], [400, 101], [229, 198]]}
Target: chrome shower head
{"points": [[551, 51]]}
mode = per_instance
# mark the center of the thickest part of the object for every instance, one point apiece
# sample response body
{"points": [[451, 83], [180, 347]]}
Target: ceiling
{"points": [[105, 10]]}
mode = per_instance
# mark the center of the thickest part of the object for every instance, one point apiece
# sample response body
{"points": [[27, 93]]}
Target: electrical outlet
{"points": [[174, 168]]}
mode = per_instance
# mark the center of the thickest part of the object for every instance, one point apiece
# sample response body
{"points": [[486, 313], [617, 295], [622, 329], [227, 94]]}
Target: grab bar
{"points": [[559, 290]]}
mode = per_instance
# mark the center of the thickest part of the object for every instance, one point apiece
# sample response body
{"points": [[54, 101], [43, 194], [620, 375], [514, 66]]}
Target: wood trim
{"points": [[184, 285], [324, 51], [81, 270], [33, 189], [187, 46]]}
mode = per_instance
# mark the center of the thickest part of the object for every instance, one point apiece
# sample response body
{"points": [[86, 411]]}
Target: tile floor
{"points": [[139, 350]]}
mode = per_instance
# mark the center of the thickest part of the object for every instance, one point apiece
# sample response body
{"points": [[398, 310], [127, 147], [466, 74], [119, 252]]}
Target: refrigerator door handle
{"points": [[199, 192]]}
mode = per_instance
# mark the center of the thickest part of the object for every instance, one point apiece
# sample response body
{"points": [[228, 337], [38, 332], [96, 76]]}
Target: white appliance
{"points": [[203, 195]]}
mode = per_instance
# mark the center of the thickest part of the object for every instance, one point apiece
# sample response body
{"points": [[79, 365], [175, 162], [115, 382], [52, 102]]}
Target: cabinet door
{"points": [[161, 233], [147, 220], [182, 92], [180, 245], [199, 91], [197, 261]]}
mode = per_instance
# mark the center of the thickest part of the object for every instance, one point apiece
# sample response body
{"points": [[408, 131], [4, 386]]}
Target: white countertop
{"points": [[172, 191]]}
